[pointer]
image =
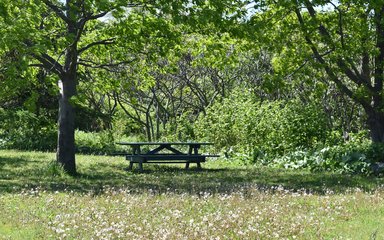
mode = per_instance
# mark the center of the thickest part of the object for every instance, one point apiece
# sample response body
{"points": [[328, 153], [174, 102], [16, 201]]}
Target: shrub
{"points": [[95, 142], [25, 131], [264, 128], [356, 156]]}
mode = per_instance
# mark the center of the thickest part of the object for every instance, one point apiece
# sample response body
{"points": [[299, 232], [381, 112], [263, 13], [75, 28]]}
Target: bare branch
{"points": [[328, 69], [49, 63], [106, 66], [58, 11], [36, 65], [341, 31], [101, 42], [136, 118], [347, 66], [96, 16]]}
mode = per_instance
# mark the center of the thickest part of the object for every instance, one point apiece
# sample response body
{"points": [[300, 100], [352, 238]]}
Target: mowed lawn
{"points": [[223, 201]]}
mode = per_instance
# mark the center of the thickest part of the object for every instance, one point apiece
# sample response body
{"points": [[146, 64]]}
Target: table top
{"points": [[163, 143]]}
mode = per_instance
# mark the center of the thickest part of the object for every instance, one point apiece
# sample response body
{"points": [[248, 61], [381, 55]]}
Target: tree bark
{"points": [[66, 124], [67, 84], [376, 115], [376, 126]]}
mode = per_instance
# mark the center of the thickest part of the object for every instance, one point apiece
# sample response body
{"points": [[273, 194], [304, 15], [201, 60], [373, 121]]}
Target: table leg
{"points": [[194, 148], [198, 166], [140, 166], [130, 166], [187, 165], [136, 149]]}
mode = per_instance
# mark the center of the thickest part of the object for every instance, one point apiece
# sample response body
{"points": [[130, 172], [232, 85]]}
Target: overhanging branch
{"points": [[59, 12], [49, 63], [96, 16], [350, 72], [107, 66], [101, 42], [328, 69]]}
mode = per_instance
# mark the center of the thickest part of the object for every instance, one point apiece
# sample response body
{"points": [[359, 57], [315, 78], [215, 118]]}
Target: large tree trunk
{"points": [[67, 84], [66, 134], [376, 127], [376, 116]]}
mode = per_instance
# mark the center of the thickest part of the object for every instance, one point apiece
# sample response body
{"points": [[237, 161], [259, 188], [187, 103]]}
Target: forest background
{"points": [[294, 84]]}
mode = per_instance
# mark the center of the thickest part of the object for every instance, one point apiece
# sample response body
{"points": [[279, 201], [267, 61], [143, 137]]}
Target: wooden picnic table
{"points": [[165, 152]]}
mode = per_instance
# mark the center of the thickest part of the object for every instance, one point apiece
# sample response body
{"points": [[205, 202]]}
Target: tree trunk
{"points": [[66, 134], [376, 127], [376, 116]]}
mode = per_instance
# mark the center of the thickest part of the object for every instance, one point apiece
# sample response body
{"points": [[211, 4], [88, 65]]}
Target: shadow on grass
{"points": [[13, 162], [20, 173]]}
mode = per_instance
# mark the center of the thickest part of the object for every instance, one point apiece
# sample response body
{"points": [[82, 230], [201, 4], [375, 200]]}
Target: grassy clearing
{"points": [[224, 201]]}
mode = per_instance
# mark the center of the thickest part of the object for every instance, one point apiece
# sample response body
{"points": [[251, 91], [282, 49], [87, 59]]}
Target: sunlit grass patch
{"points": [[38, 201], [246, 214]]}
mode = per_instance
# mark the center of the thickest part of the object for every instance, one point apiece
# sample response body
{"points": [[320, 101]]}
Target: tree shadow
{"points": [[95, 178], [12, 162]]}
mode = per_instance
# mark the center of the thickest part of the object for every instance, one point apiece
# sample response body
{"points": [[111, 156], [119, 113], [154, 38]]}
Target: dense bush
{"points": [[94, 142], [288, 134], [358, 155], [24, 130], [265, 128], [102, 143]]}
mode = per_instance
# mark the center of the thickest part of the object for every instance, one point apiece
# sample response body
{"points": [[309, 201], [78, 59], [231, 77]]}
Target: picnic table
{"points": [[165, 152]]}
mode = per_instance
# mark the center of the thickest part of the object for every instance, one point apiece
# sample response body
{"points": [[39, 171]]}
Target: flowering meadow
{"points": [[224, 201]]}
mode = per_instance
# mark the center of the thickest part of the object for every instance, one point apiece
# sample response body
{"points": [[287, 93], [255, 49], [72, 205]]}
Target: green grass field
{"points": [[223, 201]]}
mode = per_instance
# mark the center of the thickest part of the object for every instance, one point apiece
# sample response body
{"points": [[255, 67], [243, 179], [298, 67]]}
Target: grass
{"points": [[224, 201]]}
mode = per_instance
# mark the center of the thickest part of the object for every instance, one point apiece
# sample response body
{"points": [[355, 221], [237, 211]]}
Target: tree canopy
{"points": [[163, 64], [343, 40]]}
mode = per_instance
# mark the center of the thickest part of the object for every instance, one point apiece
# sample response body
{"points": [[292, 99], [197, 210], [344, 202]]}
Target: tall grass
{"points": [[224, 201]]}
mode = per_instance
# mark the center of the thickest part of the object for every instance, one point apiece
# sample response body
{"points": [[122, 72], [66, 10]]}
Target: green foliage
{"points": [[157, 67], [330, 40], [185, 128], [267, 128], [24, 130], [102, 143], [355, 156], [95, 143]]}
